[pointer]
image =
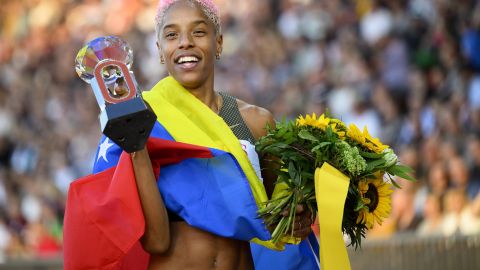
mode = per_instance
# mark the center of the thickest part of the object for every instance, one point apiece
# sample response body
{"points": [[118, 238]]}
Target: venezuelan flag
{"points": [[203, 175]]}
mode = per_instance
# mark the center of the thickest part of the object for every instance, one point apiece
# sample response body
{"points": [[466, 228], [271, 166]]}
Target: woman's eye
{"points": [[170, 35], [199, 33]]}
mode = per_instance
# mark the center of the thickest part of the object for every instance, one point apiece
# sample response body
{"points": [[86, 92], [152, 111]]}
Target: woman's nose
{"points": [[185, 41]]}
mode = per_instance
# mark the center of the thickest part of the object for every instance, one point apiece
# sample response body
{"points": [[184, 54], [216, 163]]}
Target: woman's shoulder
{"points": [[256, 118]]}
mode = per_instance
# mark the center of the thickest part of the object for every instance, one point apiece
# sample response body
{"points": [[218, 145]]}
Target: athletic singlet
{"points": [[231, 115]]}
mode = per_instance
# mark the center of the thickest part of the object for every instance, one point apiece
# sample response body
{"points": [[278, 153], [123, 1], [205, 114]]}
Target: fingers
{"points": [[301, 230], [305, 218], [300, 224], [300, 209]]}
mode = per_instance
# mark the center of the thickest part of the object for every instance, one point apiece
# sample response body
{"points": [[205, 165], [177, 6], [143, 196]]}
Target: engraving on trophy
{"points": [[125, 118]]}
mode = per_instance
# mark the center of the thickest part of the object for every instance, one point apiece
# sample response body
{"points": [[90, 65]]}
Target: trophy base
{"points": [[128, 123]]}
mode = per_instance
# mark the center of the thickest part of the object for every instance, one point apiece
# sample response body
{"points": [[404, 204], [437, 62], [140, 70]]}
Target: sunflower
{"points": [[365, 139], [375, 195], [355, 134], [321, 123], [373, 144]]}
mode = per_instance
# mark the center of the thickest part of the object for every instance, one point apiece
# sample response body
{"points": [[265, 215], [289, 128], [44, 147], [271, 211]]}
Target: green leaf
{"points": [[306, 135], [275, 147], [394, 183], [306, 174], [401, 171], [290, 140], [308, 189], [329, 132], [406, 176], [281, 132], [370, 155], [292, 171], [374, 164], [404, 168], [320, 145]]}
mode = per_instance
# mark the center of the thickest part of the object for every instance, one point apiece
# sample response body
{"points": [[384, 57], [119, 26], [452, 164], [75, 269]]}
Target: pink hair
{"points": [[208, 7], [209, 4]]}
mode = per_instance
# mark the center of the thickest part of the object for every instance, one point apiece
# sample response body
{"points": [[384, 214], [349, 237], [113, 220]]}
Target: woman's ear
{"points": [[219, 42], [160, 53]]}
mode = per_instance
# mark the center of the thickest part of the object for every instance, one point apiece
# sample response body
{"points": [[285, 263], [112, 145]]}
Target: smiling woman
{"points": [[189, 41]]}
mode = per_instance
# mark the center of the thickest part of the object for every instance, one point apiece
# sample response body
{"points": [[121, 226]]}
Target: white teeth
{"points": [[184, 59]]}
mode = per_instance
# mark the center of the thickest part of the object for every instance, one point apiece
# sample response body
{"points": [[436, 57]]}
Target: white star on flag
{"points": [[102, 153]]}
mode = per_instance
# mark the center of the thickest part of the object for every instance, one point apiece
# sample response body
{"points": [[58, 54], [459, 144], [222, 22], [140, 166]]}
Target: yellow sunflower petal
{"points": [[312, 120], [373, 144], [355, 134], [301, 121]]}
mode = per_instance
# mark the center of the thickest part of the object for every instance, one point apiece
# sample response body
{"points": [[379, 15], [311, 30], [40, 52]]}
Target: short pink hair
{"points": [[209, 8]]}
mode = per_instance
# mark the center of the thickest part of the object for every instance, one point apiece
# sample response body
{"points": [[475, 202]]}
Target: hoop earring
{"points": [[162, 61]]}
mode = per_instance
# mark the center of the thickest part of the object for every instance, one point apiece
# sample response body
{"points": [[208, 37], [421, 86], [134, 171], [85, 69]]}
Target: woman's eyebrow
{"points": [[195, 23], [169, 26]]}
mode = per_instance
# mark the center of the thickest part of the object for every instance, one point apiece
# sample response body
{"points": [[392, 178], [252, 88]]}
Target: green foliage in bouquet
{"points": [[301, 146]]}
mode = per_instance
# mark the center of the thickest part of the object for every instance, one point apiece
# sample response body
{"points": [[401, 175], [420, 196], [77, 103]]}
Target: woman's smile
{"points": [[187, 62]]}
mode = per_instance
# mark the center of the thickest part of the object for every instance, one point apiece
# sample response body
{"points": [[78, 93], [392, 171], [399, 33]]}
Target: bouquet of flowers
{"points": [[301, 146]]}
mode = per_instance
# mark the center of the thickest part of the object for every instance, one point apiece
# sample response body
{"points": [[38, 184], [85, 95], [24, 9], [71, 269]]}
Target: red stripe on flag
{"points": [[103, 216]]}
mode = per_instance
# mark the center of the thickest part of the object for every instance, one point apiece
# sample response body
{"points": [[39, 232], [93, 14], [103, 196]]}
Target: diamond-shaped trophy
{"points": [[105, 64]]}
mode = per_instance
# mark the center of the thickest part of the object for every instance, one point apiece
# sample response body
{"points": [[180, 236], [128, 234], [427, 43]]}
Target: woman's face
{"points": [[188, 43]]}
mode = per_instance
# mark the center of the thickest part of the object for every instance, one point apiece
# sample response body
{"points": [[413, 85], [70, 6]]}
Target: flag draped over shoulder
{"points": [[203, 174]]}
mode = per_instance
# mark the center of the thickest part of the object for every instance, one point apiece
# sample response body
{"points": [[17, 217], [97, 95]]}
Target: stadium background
{"points": [[409, 70]]}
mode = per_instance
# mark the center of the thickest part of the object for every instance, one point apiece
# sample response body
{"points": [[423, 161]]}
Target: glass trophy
{"points": [[125, 118]]}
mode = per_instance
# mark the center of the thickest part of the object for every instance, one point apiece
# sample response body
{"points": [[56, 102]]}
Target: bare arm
{"points": [[156, 238]]}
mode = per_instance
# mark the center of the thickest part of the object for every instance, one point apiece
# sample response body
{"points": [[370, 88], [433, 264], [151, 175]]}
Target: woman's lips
{"points": [[188, 66]]}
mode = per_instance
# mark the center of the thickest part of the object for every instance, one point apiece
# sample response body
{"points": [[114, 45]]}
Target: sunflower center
{"points": [[372, 195]]}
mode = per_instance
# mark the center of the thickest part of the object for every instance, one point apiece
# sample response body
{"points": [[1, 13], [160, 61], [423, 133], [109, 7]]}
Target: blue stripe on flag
{"points": [[312, 239], [211, 194]]}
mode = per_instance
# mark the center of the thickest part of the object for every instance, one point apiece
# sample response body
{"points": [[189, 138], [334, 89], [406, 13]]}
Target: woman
{"points": [[189, 41]]}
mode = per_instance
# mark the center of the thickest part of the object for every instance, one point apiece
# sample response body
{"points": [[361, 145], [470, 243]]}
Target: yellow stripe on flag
{"points": [[331, 187]]}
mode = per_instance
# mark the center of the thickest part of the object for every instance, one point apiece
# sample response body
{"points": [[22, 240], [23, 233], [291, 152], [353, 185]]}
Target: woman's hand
{"points": [[302, 225]]}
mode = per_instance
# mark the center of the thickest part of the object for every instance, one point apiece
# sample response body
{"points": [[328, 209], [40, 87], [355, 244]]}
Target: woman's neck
{"points": [[207, 95]]}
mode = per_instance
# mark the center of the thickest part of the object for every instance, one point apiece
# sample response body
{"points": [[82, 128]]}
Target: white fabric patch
{"points": [[252, 156]]}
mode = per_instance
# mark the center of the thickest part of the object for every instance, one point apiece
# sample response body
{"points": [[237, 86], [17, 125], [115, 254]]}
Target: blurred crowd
{"points": [[409, 70]]}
